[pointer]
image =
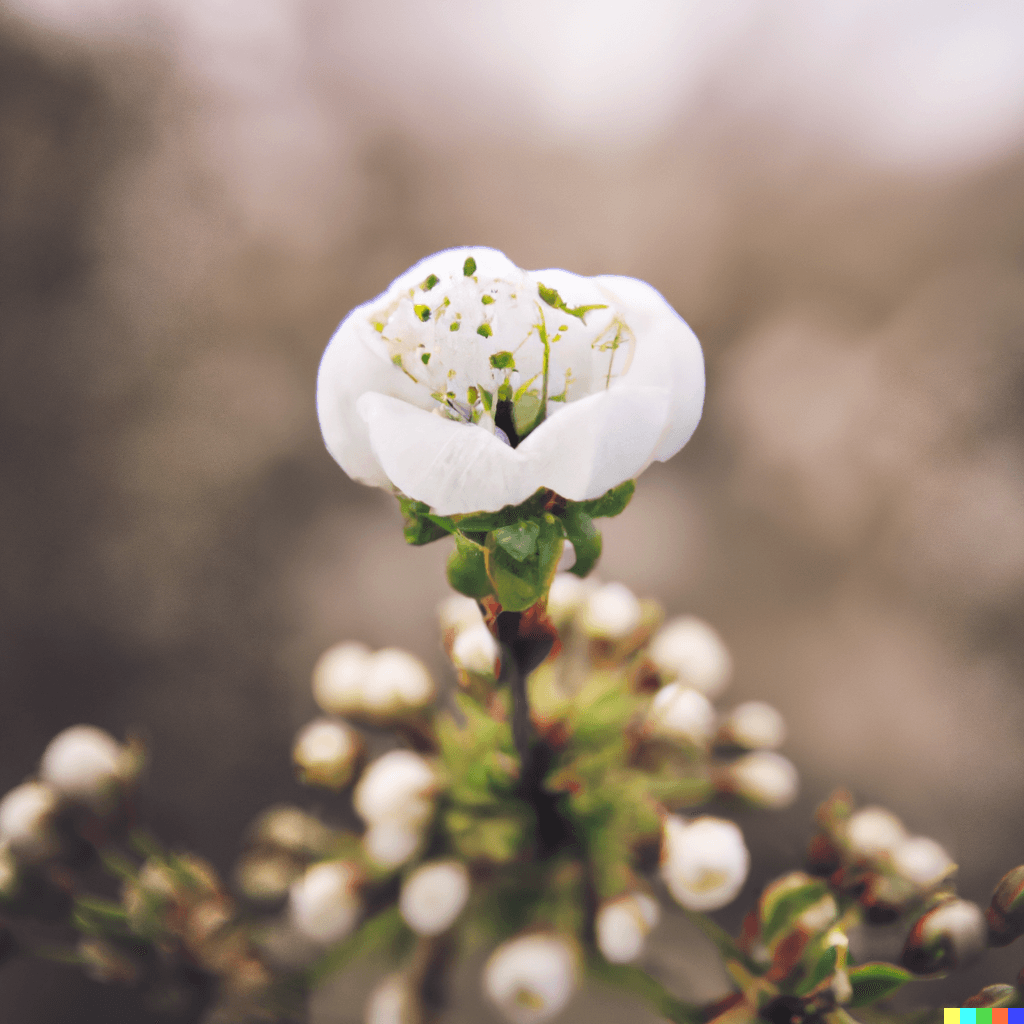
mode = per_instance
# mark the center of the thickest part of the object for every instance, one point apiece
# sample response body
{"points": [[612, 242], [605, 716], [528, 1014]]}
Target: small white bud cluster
{"points": [[27, 815], [687, 649], [679, 712], [86, 764], [532, 977], [433, 896], [754, 725], [324, 904], [382, 688], [611, 612], [326, 752], [623, 924], [395, 797], [704, 862]]}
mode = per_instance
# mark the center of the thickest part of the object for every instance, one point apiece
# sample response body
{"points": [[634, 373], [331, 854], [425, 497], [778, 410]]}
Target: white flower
{"points": [[338, 678], [622, 926], [531, 978], [611, 612], [704, 862], [291, 830], [755, 725], [433, 896], [457, 613], [26, 820], [765, 778], [323, 904], [475, 650], [873, 832], [922, 862], [391, 842], [689, 650], [83, 763], [398, 784], [597, 394], [391, 1002], [566, 597], [682, 713], [326, 751], [397, 683]]}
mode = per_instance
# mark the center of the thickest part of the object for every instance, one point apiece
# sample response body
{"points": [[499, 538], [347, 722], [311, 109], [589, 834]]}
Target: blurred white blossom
{"points": [[531, 978], [704, 862]]}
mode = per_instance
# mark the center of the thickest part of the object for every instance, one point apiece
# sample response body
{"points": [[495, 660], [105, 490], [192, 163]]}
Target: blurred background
{"points": [[194, 192]]}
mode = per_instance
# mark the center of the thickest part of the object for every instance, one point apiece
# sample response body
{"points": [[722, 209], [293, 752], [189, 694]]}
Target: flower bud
{"points": [[339, 678], [433, 896], [622, 925], [27, 821], [397, 685], [475, 650], [566, 597], [104, 962], [952, 934], [753, 725], [391, 1002], [291, 830], [704, 862], [994, 996], [922, 862], [325, 753], [391, 842], [765, 778], [531, 978], [1006, 912], [873, 832], [611, 612], [681, 713], [83, 763], [687, 649], [400, 784], [265, 876], [457, 613], [323, 905]]}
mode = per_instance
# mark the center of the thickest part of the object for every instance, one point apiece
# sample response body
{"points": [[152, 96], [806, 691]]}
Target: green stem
{"points": [[640, 983]]}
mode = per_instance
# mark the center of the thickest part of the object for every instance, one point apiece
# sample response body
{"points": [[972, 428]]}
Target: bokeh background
{"points": [[194, 192]]}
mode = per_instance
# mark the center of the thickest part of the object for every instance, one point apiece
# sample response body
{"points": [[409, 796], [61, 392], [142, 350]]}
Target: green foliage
{"points": [[466, 568], [421, 526], [584, 537], [522, 560], [611, 503], [875, 981], [779, 912]]}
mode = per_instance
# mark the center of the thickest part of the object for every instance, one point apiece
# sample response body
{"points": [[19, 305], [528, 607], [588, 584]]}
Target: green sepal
{"points": [[518, 540], [584, 537], [466, 569], [519, 582], [872, 982], [611, 503], [484, 522], [422, 526]]}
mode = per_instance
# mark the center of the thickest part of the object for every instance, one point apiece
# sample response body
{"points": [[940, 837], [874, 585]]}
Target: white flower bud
{"points": [[612, 612], [433, 896], [8, 871], [391, 842], [83, 763], [704, 862], [922, 862], [681, 713], [688, 649], [391, 1002], [323, 904], [873, 832], [531, 978], [475, 650], [754, 725], [396, 684], [339, 678], [819, 915], [26, 820], [765, 778], [326, 751], [457, 613], [622, 926], [400, 784], [291, 830], [264, 876], [566, 597], [951, 935]]}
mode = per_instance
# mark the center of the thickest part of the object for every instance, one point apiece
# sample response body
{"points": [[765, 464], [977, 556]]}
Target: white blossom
{"points": [[598, 393], [396, 684], [873, 832], [457, 613], [922, 862], [531, 978], [391, 842], [611, 612], [622, 925], [339, 678], [83, 763], [755, 725], [704, 862], [325, 752], [680, 712], [399, 784], [433, 896], [765, 778], [687, 649], [566, 597], [391, 1002], [475, 650], [26, 820], [323, 905]]}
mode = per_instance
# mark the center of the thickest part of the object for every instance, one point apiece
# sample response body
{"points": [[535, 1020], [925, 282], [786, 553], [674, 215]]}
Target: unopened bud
{"points": [[392, 1002], [950, 935], [84, 763], [326, 752], [753, 725], [339, 678], [922, 862], [681, 713], [566, 597], [323, 905], [391, 842], [457, 613], [765, 778], [611, 612], [293, 831], [397, 685], [687, 649], [27, 821], [531, 978], [994, 995], [475, 650], [399, 784], [873, 832], [622, 925], [433, 896], [265, 877], [1006, 912], [704, 862]]}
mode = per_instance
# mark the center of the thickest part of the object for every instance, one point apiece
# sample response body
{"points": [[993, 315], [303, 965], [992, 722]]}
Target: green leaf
{"points": [[421, 526], [467, 569], [611, 503], [824, 968], [584, 537], [95, 916], [519, 540], [469, 267], [640, 983], [521, 581], [872, 982], [779, 913]]}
